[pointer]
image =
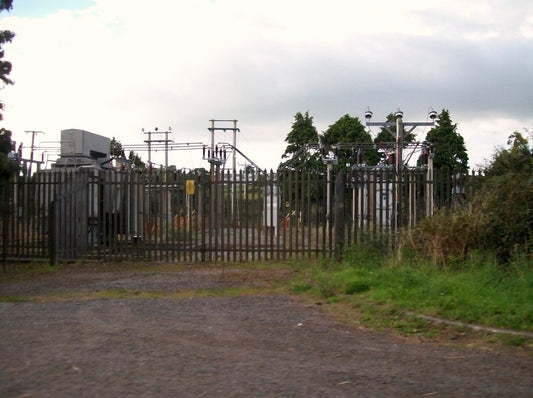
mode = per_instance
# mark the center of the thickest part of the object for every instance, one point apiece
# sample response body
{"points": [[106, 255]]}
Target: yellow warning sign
{"points": [[189, 187]]}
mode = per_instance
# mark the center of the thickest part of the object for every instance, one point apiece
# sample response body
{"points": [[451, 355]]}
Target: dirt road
{"points": [[64, 345]]}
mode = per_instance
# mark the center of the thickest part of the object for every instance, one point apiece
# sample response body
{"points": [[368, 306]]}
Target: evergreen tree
{"points": [[302, 133], [448, 145], [5, 37], [385, 140], [138, 165], [115, 148], [7, 167], [349, 135], [386, 136]]}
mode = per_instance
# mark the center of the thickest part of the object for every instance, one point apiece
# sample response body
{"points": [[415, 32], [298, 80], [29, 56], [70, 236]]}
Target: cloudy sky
{"points": [[114, 67]]}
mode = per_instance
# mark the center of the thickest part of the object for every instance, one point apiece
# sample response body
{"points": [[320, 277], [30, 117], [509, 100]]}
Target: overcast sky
{"points": [[113, 67]]}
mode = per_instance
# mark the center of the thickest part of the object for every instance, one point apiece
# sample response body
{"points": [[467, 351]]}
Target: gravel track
{"points": [[246, 346]]}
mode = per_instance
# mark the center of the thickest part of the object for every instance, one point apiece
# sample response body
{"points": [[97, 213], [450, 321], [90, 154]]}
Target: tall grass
{"points": [[475, 290]]}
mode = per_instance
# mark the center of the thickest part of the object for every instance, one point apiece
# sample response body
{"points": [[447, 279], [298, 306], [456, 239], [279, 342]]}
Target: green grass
{"points": [[476, 291], [11, 299]]}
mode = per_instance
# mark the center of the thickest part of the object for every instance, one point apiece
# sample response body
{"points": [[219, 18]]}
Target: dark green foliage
{"points": [[115, 148], [349, 134], [517, 160], [6, 5], [386, 136], [7, 166], [301, 287], [448, 145], [302, 134], [137, 164], [357, 286], [496, 218], [506, 200], [5, 37]]}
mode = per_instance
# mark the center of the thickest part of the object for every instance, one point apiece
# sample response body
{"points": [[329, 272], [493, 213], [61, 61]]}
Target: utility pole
{"points": [[166, 203], [33, 134], [329, 158], [149, 141], [399, 136], [217, 156]]}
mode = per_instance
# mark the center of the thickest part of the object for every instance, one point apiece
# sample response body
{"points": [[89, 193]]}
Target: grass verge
{"points": [[376, 291]]}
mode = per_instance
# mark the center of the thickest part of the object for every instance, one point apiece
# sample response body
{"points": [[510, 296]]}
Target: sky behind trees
{"points": [[114, 67]]}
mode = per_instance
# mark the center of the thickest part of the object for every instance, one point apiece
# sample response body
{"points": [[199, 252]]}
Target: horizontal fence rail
{"points": [[216, 216]]}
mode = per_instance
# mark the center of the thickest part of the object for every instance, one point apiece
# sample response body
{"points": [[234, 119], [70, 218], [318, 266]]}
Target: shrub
{"points": [[497, 218], [447, 235]]}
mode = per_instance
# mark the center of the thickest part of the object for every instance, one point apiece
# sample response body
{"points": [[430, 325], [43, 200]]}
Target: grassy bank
{"points": [[475, 290]]}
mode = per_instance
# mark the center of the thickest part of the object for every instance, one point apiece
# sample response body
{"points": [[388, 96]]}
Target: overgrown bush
{"points": [[447, 236], [506, 205], [498, 218]]}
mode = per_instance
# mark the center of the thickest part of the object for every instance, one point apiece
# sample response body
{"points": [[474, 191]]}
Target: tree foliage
{"points": [[116, 150], [137, 164], [497, 217], [349, 134], [517, 160], [448, 145], [7, 167], [385, 135], [5, 66], [302, 133], [505, 200]]}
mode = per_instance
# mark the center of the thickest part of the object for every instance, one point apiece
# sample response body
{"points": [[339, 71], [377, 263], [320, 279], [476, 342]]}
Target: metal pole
{"points": [[234, 167], [149, 149], [212, 215], [166, 150], [399, 147], [430, 184], [212, 138], [329, 167], [33, 133], [399, 167], [234, 146]]}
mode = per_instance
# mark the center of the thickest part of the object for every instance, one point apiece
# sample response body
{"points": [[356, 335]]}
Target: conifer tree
{"points": [[448, 145]]}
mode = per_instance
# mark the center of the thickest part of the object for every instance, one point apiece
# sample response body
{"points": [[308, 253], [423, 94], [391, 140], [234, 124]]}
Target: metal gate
{"points": [[200, 216]]}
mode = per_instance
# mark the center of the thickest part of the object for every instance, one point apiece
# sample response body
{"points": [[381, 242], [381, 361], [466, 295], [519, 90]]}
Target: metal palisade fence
{"points": [[217, 216]]}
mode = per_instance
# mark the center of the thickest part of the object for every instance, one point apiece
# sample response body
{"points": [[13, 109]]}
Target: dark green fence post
{"points": [[339, 216]]}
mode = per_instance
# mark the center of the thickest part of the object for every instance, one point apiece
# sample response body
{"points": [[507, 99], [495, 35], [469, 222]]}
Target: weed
{"points": [[301, 287], [11, 299], [326, 287], [515, 341], [357, 286]]}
